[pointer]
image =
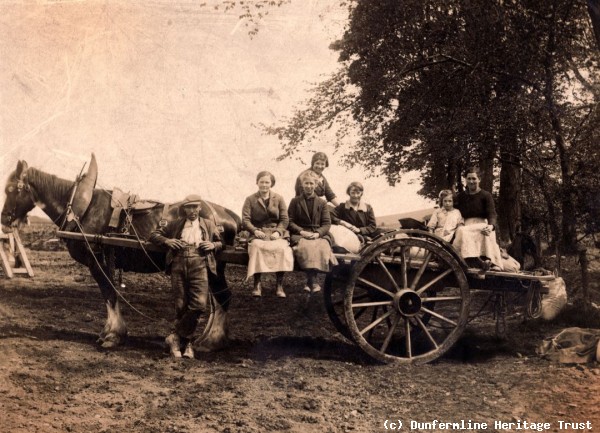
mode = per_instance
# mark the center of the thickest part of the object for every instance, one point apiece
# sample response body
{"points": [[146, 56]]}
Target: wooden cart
{"points": [[404, 298]]}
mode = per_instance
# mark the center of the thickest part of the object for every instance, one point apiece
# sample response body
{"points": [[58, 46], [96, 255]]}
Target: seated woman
{"points": [[265, 216], [356, 215], [476, 240], [309, 226], [322, 189], [446, 219]]}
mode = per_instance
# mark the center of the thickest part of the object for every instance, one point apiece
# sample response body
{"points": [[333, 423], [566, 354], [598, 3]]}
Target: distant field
{"points": [[386, 220], [392, 220]]}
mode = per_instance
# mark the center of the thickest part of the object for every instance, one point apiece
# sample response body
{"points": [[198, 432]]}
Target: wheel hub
{"points": [[407, 302]]}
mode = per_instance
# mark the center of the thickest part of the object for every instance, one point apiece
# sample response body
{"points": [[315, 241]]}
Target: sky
{"points": [[167, 94]]}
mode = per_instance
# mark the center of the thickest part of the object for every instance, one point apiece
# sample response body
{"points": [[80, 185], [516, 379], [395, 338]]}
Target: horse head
{"points": [[19, 199]]}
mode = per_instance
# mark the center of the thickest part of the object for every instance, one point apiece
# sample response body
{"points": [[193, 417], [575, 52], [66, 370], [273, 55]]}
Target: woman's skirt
{"points": [[315, 254], [470, 242], [269, 256]]}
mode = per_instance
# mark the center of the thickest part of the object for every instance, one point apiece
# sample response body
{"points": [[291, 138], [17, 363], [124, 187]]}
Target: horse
{"points": [[28, 187]]}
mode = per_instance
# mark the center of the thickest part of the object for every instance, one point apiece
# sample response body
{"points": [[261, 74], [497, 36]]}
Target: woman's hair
{"points": [[266, 173], [308, 175], [473, 169], [356, 185], [319, 156], [445, 193]]}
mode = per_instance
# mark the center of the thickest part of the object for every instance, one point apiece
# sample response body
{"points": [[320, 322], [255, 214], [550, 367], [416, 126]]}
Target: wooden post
{"points": [[13, 242]]}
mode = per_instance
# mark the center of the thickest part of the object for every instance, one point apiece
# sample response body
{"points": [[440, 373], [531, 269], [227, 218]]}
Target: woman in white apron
{"points": [[265, 216], [476, 240]]}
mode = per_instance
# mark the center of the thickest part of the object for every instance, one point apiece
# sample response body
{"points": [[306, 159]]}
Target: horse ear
{"points": [[21, 169]]}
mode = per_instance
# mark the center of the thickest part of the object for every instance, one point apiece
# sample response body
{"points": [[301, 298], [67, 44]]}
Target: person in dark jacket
{"points": [[322, 189], [265, 216], [356, 215], [309, 228], [192, 242]]}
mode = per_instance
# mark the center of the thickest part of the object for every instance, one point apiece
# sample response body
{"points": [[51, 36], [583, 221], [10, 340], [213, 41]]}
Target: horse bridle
{"points": [[20, 185]]}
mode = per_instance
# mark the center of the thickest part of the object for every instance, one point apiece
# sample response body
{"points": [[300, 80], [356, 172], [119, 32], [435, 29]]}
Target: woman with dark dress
{"points": [[322, 189], [309, 228], [476, 240], [355, 214]]}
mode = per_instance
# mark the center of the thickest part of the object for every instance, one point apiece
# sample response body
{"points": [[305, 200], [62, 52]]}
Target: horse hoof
{"points": [[212, 346], [108, 344]]}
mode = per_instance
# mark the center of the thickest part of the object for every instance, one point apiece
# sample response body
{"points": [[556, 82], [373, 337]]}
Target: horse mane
{"points": [[49, 183]]}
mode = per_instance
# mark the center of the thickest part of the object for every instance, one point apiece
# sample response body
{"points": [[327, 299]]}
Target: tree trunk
{"points": [[486, 165], [568, 240], [509, 202]]}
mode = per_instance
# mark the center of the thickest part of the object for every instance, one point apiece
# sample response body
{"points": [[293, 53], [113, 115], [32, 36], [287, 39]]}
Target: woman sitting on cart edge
{"points": [[445, 221], [318, 163], [265, 216], [309, 226], [356, 215], [476, 240]]}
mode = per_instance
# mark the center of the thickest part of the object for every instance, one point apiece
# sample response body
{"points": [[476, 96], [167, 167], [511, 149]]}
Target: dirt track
{"points": [[286, 370]]}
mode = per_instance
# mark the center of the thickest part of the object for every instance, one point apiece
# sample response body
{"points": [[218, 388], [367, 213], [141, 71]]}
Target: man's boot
{"points": [[174, 345]]}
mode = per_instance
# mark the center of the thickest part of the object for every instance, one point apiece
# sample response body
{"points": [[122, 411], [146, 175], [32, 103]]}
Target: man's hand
{"points": [[259, 234], [207, 246], [275, 235], [175, 244]]}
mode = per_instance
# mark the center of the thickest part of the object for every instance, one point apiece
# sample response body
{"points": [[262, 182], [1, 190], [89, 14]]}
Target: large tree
{"points": [[436, 86]]}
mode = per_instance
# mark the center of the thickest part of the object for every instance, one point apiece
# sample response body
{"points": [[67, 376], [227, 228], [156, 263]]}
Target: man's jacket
{"points": [[173, 231]]}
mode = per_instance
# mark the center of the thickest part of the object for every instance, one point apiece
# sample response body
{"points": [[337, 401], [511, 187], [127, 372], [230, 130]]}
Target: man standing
{"points": [[192, 243]]}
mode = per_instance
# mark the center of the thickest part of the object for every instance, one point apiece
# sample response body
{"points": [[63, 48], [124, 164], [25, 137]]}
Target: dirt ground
{"points": [[287, 369]]}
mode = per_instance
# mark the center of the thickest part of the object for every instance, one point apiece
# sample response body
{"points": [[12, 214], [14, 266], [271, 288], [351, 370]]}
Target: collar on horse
{"points": [[83, 190]]}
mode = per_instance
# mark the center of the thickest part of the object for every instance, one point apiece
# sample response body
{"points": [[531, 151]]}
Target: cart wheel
{"points": [[333, 293], [407, 301]]}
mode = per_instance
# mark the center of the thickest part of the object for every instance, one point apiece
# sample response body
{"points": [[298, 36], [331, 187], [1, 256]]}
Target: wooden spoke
{"points": [[375, 286], [435, 280], [371, 304], [407, 337], [376, 322], [421, 270], [439, 316], [373, 317], [341, 301], [387, 272], [388, 337], [386, 269], [427, 333], [403, 268], [442, 298]]}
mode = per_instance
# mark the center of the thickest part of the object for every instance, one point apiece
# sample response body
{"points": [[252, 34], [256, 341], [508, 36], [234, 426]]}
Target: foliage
{"points": [[251, 11], [437, 86]]}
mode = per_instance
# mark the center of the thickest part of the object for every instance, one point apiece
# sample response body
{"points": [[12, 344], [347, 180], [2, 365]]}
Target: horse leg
{"points": [[217, 336], [115, 329]]}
